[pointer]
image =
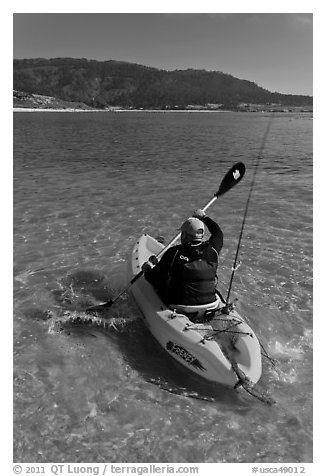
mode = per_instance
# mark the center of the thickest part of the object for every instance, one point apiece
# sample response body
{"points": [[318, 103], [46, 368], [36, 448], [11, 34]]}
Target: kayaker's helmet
{"points": [[192, 230]]}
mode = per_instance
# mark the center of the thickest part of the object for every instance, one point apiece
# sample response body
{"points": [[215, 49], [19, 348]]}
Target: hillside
{"points": [[37, 101], [107, 84]]}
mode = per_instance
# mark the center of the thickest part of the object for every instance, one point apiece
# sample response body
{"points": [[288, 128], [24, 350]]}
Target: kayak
{"points": [[219, 350]]}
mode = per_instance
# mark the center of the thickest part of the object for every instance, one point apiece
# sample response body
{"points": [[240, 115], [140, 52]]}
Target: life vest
{"points": [[193, 274]]}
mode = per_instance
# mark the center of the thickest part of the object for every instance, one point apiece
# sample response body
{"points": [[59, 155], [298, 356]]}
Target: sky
{"points": [[274, 50]]}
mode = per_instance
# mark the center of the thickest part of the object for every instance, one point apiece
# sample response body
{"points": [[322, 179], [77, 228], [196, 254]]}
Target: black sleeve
{"points": [[216, 239], [158, 276]]}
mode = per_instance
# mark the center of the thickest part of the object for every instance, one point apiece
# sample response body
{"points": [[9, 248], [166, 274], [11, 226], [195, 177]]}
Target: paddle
{"points": [[231, 178]]}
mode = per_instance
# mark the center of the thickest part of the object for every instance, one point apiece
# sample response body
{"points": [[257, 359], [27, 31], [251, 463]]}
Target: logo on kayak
{"points": [[184, 354], [236, 174]]}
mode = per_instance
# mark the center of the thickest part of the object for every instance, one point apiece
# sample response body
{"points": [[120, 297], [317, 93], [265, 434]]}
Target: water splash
{"points": [[290, 359], [71, 319], [287, 350]]}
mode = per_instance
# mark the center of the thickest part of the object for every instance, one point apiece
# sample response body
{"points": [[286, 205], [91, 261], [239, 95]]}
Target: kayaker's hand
{"points": [[152, 261], [146, 266], [199, 214]]}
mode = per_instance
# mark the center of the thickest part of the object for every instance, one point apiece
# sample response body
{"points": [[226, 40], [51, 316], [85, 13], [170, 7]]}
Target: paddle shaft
{"points": [[232, 177], [138, 275]]}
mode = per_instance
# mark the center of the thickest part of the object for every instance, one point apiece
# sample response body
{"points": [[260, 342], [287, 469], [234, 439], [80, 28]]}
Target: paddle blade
{"points": [[233, 176], [100, 307]]}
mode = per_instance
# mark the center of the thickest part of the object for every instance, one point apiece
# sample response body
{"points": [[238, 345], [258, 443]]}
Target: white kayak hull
{"points": [[189, 343]]}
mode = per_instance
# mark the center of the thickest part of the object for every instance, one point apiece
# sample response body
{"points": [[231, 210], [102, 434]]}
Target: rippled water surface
{"points": [[85, 187]]}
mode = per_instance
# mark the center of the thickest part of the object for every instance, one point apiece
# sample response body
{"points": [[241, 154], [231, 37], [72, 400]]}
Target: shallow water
{"points": [[85, 187]]}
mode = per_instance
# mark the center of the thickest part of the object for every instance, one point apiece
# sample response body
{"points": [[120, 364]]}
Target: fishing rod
{"points": [[235, 263]]}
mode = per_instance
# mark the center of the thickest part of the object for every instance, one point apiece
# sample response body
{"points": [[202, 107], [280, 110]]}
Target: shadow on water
{"points": [[82, 288], [75, 292], [37, 314], [148, 358], [123, 325], [145, 356]]}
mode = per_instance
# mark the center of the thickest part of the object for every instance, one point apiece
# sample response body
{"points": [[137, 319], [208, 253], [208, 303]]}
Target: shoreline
{"points": [[158, 111], [27, 109], [31, 109]]}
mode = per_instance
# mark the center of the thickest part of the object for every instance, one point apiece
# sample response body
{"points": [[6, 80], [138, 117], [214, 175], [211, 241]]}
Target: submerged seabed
{"points": [[85, 187]]}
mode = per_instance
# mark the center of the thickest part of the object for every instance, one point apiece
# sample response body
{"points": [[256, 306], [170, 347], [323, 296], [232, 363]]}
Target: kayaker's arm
{"points": [[216, 238], [158, 275]]}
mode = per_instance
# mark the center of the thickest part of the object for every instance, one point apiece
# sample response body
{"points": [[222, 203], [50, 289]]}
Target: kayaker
{"points": [[186, 273]]}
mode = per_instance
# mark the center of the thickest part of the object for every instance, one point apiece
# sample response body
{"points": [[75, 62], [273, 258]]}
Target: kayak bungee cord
{"points": [[236, 264]]}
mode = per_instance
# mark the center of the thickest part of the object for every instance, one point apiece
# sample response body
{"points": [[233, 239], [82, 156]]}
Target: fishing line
{"points": [[235, 263]]}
